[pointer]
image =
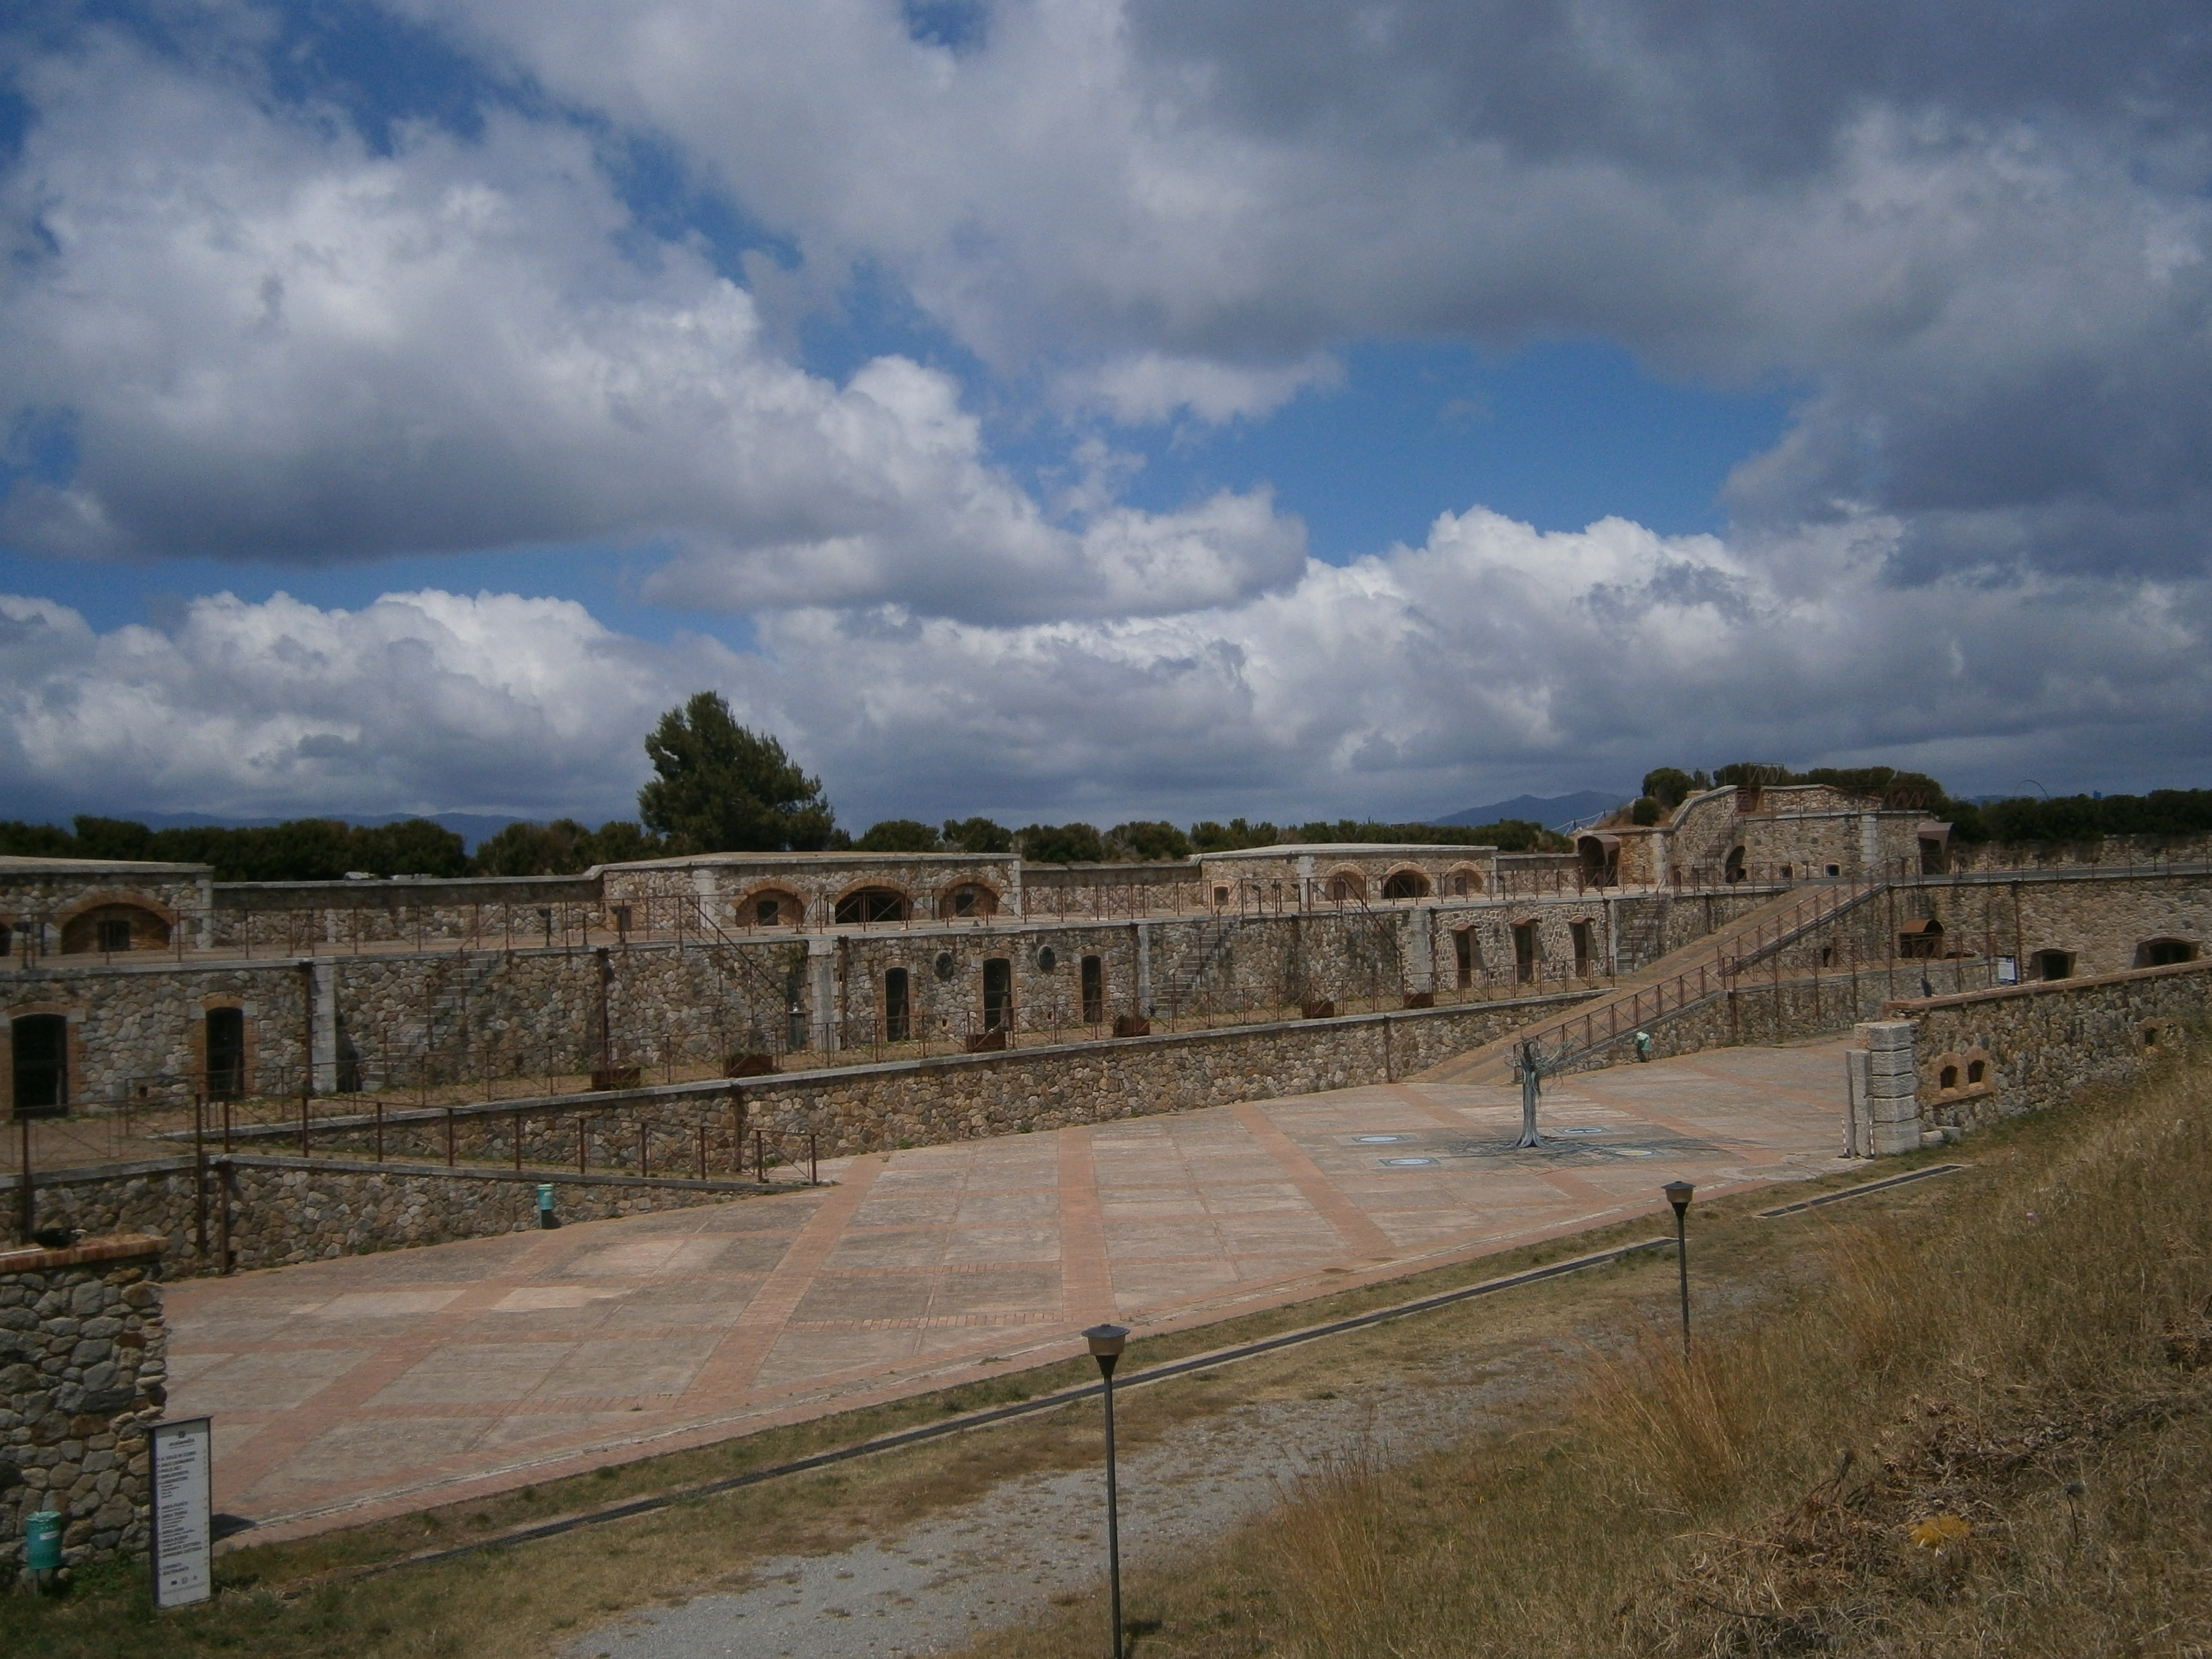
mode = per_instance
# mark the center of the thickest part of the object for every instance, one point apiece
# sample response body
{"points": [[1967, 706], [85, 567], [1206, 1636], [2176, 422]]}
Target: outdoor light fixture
{"points": [[1106, 1344], [1679, 1194]]}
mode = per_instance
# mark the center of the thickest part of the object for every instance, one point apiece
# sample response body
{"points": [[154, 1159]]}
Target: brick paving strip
{"points": [[352, 1389]]}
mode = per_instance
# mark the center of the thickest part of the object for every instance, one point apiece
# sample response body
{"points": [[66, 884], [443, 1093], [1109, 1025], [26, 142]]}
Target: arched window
{"points": [[867, 904], [970, 898], [115, 927], [1948, 1077], [1464, 882], [772, 907], [2165, 952], [1406, 884], [39, 1050]]}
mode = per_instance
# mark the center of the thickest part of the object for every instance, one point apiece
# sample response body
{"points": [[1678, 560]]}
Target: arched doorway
{"points": [[867, 904], [1406, 884]]}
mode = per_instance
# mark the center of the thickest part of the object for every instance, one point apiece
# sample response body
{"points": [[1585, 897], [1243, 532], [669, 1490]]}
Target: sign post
{"points": [[183, 1540]]}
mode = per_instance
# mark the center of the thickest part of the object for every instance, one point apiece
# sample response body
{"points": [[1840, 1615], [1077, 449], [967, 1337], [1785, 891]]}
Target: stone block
{"points": [[1891, 1139], [1882, 1035]]}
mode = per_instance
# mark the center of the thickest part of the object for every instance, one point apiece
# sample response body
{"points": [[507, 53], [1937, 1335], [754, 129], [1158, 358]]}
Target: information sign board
{"points": [[184, 1461]]}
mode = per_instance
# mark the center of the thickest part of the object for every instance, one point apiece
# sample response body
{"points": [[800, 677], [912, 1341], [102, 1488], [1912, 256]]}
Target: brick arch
{"points": [[1344, 884], [76, 923], [1468, 873], [791, 908], [982, 898], [1405, 881], [872, 901]]}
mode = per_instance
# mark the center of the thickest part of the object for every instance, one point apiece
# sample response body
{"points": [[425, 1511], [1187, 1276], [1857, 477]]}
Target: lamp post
{"points": [[1678, 1194], [1106, 1344]]}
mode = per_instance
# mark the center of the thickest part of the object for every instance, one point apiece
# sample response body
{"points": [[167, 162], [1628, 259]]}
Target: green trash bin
{"points": [[546, 1217], [42, 1539]]}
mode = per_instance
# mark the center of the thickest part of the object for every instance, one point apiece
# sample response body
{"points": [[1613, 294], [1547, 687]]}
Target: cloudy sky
{"points": [[1098, 407]]}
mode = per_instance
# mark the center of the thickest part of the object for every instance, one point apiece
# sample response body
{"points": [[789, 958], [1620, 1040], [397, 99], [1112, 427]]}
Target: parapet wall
{"points": [[82, 1374]]}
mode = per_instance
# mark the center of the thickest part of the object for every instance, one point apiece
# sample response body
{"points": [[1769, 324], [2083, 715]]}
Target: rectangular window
{"points": [[1094, 991], [998, 994], [622, 921], [898, 1009], [38, 1047], [113, 935]]}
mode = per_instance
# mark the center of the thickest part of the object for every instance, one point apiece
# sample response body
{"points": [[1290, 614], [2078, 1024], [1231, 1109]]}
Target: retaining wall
{"points": [[83, 1368]]}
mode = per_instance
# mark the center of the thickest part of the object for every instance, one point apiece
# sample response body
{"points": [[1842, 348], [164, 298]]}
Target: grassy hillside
{"points": [[1987, 1434]]}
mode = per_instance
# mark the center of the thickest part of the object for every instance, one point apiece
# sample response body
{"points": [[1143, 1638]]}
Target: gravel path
{"points": [[998, 1561]]}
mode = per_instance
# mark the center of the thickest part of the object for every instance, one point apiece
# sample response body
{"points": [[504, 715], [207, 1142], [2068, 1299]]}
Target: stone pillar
{"points": [[1893, 1099], [83, 1368], [822, 975], [1422, 974], [325, 1056]]}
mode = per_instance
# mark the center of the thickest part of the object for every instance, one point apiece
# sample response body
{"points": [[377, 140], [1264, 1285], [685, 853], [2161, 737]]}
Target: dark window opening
{"points": [[38, 1047], [1094, 991], [1466, 955], [2053, 964], [898, 1015], [871, 904], [1949, 1078], [1581, 933], [622, 921], [974, 901], [1976, 1070], [1920, 941], [1221, 896], [1835, 869], [225, 1053], [1527, 950], [2164, 952], [998, 994], [794, 1003], [1406, 884], [6, 939], [111, 927]]}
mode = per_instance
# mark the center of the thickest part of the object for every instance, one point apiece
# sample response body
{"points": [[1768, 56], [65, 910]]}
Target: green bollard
{"points": [[545, 1219]]}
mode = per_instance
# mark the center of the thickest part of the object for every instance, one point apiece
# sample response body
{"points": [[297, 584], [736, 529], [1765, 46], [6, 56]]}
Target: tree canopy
{"points": [[721, 788], [304, 849]]}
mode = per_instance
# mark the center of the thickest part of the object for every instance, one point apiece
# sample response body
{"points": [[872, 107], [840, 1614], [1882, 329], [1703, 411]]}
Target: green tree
{"points": [[1062, 843], [722, 788], [619, 841], [416, 846], [1670, 786], [899, 835], [19, 840], [1208, 837], [978, 835], [1146, 841]]}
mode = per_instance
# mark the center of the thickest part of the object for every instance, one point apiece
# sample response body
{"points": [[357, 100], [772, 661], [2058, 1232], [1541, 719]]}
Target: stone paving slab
{"points": [[348, 1389]]}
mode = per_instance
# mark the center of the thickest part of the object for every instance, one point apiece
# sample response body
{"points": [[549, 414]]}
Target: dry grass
{"points": [[1981, 1428]]}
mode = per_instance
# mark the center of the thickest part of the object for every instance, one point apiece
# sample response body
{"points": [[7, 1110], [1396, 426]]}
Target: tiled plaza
{"points": [[347, 1390]]}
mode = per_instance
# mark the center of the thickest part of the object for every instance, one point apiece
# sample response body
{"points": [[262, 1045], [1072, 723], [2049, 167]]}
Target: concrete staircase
{"points": [[1663, 988]]}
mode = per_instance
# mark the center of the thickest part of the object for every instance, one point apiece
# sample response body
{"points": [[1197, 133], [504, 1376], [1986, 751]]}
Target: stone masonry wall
{"points": [[286, 1210], [83, 1377], [2041, 1044]]}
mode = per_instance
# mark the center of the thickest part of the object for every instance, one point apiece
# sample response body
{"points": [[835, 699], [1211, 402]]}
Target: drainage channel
{"points": [[1055, 1400]]}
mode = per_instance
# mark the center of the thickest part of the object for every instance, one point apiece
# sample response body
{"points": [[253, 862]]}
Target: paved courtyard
{"points": [[348, 1389]]}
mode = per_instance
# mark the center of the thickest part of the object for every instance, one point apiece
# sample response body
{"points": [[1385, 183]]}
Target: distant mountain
{"points": [[472, 827], [1553, 813]]}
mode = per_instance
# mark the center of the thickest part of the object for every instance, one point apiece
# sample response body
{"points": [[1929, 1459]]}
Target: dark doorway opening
{"points": [[1465, 956], [1406, 884], [225, 1053], [898, 1006], [1732, 871], [1526, 952], [38, 1047], [1094, 991], [1581, 931], [998, 994]]}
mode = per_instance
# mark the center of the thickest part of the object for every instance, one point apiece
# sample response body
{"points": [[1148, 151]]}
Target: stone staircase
{"points": [[1663, 988], [1205, 948]]}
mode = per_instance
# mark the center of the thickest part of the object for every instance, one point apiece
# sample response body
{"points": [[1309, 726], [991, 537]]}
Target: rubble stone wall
{"points": [[82, 1378]]}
